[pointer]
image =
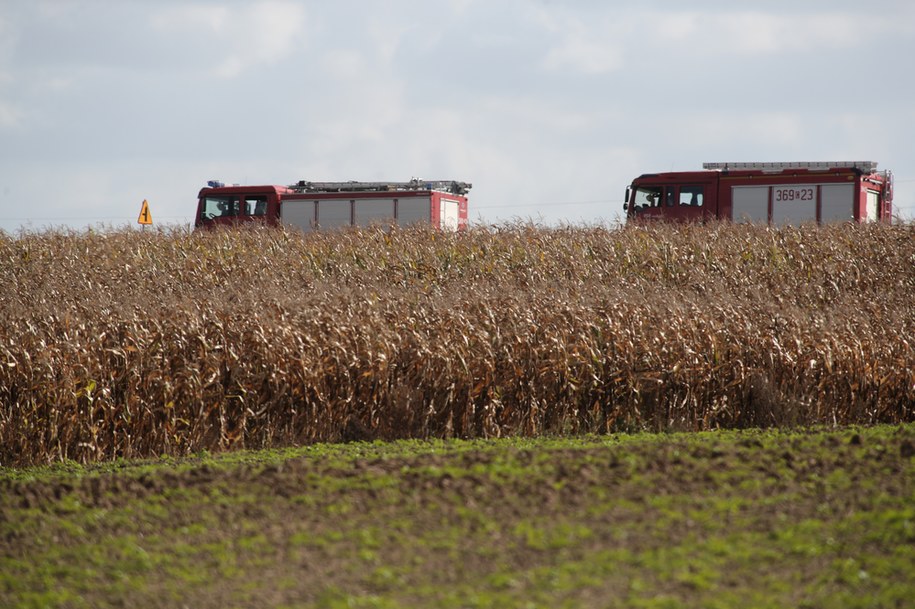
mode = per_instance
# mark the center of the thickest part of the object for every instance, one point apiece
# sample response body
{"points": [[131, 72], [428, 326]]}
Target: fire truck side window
{"points": [[219, 207], [647, 196], [691, 195], [255, 205]]}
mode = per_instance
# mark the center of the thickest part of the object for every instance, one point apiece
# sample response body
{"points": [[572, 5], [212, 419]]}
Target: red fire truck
{"points": [[312, 205], [777, 193]]}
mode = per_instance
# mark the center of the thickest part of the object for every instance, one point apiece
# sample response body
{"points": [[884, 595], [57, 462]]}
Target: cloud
{"points": [[756, 32], [597, 42], [461, 6], [579, 54], [674, 27], [583, 46], [770, 129], [10, 116], [256, 34], [766, 33], [593, 41], [191, 18]]}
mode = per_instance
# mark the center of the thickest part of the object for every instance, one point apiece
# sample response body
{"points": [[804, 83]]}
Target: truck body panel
{"points": [[775, 193], [310, 206]]}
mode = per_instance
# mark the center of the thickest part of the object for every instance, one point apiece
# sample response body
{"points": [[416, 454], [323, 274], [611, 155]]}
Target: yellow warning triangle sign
{"points": [[145, 216]]}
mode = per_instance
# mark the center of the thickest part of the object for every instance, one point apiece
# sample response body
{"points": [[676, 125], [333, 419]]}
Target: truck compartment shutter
{"points": [[298, 214], [334, 213], [414, 209], [794, 204], [374, 211], [750, 203], [837, 203]]}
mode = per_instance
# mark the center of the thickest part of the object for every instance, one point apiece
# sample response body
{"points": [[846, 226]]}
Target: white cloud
{"points": [[54, 9], [345, 64], [580, 45], [759, 130], [598, 41], [460, 7], [542, 120], [675, 27], [191, 18], [256, 34], [757, 32], [8, 40], [10, 116], [578, 53], [271, 30], [10, 113]]}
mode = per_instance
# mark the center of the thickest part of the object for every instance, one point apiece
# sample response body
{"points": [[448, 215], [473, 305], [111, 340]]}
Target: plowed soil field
{"points": [[804, 518]]}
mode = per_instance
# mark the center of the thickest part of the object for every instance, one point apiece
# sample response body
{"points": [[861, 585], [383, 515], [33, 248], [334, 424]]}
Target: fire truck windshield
{"points": [[219, 207], [646, 196], [231, 206]]}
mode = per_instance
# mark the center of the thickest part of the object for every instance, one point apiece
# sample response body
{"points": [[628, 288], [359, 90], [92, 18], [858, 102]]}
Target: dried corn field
{"points": [[131, 344]]}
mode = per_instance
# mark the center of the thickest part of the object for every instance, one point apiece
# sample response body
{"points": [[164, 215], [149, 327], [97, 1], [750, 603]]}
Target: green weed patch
{"points": [[714, 519]]}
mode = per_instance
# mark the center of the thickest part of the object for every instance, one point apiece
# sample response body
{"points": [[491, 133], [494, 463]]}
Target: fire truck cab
{"points": [[313, 205], [776, 193]]}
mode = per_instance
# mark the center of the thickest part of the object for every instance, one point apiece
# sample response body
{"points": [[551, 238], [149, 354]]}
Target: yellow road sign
{"points": [[145, 216]]}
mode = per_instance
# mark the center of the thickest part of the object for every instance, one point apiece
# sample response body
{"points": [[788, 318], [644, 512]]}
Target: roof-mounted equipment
{"points": [[451, 186], [862, 166]]}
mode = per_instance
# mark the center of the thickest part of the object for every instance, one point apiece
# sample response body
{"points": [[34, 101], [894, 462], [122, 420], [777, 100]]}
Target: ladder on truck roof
{"points": [[863, 166], [451, 186]]}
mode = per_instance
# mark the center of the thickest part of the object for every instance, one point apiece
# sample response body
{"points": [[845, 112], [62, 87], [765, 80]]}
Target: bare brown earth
{"points": [[807, 518]]}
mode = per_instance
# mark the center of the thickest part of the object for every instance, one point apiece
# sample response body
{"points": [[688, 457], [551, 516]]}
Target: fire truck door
{"points": [[448, 216]]}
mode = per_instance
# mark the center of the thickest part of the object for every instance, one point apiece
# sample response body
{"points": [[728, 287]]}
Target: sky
{"points": [[550, 108]]}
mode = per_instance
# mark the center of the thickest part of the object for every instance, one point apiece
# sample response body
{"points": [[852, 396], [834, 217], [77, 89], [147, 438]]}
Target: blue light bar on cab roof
{"points": [[215, 184]]}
